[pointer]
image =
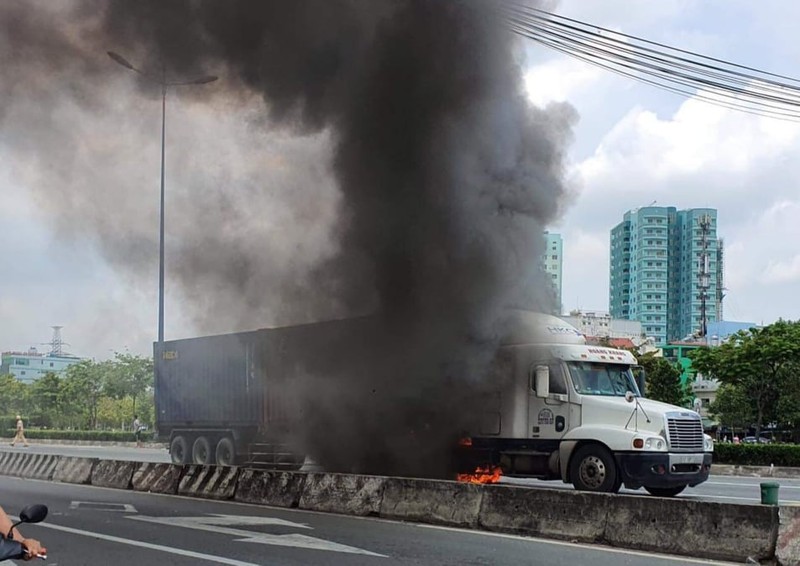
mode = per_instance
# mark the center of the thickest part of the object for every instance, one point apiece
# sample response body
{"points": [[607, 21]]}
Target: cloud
{"points": [[698, 156], [558, 80], [783, 271]]}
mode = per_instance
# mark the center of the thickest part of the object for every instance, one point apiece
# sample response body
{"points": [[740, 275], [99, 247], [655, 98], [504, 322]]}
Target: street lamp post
{"points": [[163, 83]]}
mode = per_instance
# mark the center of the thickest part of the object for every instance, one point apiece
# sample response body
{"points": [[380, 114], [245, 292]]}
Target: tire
{"points": [[201, 451], [665, 491], [179, 450], [225, 454], [593, 468]]}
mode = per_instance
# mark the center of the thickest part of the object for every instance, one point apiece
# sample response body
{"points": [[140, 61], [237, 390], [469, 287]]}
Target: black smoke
{"points": [[388, 164]]}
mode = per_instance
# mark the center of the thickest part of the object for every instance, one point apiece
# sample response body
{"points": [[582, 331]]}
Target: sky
{"points": [[632, 145]]}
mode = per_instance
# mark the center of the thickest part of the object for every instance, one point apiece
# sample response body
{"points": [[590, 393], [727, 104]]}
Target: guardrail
{"points": [[680, 526]]}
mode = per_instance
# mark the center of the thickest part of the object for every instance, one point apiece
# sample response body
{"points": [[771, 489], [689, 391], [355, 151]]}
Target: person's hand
{"points": [[34, 548]]}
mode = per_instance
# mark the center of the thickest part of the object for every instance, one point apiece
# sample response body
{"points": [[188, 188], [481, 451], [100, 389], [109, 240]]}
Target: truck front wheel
{"points": [[593, 469], [665, 491]]}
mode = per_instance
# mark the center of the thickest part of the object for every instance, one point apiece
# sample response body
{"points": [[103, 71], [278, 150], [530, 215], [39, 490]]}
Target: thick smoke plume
{"points": [[355, 158]]}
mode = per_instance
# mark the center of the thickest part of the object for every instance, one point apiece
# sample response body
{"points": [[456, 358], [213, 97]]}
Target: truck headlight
{"points": [[708, 443], [655, 443]]}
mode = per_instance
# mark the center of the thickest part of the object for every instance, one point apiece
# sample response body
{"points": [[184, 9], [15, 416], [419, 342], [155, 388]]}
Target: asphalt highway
{"points": [[718, 488], [90, 526], [104, 452]]}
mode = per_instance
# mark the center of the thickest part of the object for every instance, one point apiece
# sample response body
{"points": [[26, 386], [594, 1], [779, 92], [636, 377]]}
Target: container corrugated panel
{"points": [[209, 381]]}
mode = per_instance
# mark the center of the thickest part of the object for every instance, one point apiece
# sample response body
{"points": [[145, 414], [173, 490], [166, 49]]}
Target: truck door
{"points": [[548, 418]]}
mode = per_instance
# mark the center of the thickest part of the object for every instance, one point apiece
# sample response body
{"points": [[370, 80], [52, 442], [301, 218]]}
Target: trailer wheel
{"points": [[593, 469], [226, 452], [665, 491], [179, 450], [201, 451]]}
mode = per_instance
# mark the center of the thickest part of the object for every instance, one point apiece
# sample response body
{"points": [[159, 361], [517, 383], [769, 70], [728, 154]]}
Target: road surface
{"points": [[89, 525], [104, 452], [730, 489]]}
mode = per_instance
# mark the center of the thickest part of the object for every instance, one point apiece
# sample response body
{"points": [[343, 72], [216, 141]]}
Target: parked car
{"points": [[754, 440]]}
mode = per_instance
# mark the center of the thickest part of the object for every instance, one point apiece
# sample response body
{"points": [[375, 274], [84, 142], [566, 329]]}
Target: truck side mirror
{"points": [[542, 381]]}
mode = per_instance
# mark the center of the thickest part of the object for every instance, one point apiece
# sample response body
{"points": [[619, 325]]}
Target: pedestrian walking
{"points": [[20, 436], [137, 430]]}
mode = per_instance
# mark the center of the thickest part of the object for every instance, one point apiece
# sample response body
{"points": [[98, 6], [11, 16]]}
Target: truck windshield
{"points": [[602, 379]]}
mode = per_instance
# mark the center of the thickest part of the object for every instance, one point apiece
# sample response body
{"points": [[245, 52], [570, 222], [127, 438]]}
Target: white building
{"points": [[599, 324]]}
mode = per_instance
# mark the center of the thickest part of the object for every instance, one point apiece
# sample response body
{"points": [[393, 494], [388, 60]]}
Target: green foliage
{"points": [[14, 397], [132, 377], [96, 435], [82, 388], [88, 395], [663, 381], [757, 454], [732, 408], [762, 364]]}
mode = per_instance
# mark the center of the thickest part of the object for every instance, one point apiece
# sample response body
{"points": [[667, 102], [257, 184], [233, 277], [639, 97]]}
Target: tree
{"points": [[82, 389], [663, 380], [14, 396], [47, 399], [732, 408], [131, 376], [761, 363]]}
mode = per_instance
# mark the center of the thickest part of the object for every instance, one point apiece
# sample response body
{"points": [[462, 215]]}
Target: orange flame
{"points": [[482, 475]]}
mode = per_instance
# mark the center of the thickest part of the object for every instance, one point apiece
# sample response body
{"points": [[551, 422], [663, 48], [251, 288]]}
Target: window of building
{"points": [[554, 257]]}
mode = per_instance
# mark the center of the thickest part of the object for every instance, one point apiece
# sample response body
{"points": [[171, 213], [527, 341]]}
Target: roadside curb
{"points": [[97, 443], [700, 529], [755, 471]]}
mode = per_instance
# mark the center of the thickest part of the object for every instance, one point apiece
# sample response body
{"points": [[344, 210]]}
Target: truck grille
{"points": [[685, 435]]}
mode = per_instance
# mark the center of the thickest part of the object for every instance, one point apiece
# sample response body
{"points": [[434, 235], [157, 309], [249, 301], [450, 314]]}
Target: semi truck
{"points": [[554, 407]]}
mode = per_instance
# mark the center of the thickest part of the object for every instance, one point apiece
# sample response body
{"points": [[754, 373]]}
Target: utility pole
{"points": [[704, 272]]}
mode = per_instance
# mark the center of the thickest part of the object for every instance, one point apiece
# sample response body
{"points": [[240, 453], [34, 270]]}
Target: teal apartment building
{"points": [[666, 271]]}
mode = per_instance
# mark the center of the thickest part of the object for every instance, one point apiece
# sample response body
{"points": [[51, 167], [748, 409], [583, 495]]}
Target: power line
{"points": [[682, 72]]}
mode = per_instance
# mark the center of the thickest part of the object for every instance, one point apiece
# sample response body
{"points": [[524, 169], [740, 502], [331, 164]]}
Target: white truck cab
{"points": [[562, 409]]}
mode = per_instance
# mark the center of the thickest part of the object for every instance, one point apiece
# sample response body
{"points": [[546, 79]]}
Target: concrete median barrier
{"points": [[74, 470], [682, 526], [157, 478], [787, 548], [113, 473], [549, 513], [688, 527], [29, 466], [209, 482], [277, 489], [343, 493], [431, 501]]}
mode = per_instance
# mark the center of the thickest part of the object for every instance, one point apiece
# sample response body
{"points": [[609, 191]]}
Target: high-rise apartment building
{"points": [[665, 271], [553, 261]]}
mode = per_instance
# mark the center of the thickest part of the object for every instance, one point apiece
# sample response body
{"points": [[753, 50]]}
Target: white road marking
{"points": [[103, 506], [147, 545], [216, 524]]}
